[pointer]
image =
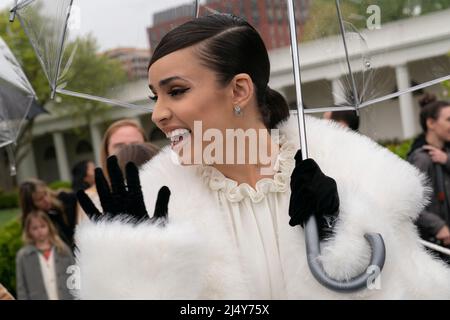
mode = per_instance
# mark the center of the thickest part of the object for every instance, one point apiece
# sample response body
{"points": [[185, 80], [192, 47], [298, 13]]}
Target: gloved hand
{"points": [[312, 192], [123, 199]]}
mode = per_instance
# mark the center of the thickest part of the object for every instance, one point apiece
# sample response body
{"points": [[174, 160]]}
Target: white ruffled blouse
{"points": [[254, 215]]}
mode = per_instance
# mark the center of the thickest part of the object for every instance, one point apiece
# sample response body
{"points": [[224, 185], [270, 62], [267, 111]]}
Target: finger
{"points": [[87, 204], [103, 191], [133, 181], [116, 176], [428, 147], [298, 157], [162, 202], [135, 190]]}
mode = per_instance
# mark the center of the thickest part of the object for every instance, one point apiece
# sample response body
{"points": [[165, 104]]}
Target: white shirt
{"points": [[254, 215], [48, 272]]}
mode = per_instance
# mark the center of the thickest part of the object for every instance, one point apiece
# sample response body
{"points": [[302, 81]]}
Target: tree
{"points": [[89, 72], [323, 21]]}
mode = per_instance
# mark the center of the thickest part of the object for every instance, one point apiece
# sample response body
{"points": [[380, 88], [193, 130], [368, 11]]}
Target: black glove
{"points": [[123, 199], [312, 192]]}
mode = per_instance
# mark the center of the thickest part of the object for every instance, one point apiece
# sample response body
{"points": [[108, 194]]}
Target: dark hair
{"points": [[229, 45], [139, 153], [431, 109], [79, 172], [26, 202], [348, 116]]}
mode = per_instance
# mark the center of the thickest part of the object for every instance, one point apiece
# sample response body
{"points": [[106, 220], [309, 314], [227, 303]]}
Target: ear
{"points": [[430, 123], [242, 89]]}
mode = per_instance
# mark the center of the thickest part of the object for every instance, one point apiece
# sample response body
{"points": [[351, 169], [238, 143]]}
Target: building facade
{"points": [[269, 17]]}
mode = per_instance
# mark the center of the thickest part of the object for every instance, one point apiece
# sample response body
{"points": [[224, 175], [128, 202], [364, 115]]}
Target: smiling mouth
{"points": [[177, 136]]}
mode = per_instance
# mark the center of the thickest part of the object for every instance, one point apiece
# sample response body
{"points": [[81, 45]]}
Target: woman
{"points": [[42, 263], [60, 206], [432, 153], [138, 153], [226, 231], [120, 133], [83, 175]]}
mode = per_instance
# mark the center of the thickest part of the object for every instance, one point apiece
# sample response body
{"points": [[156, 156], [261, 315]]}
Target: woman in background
{"points": [[60, 206], [83, 175], [430, 153]]}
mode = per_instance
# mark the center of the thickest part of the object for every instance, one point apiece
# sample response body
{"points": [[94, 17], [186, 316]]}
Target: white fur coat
{"points": [[193, 257]]}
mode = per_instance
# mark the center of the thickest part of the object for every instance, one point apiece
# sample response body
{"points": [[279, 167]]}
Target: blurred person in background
{"points": [[60, 206], [117, 135], [83, 175], [42, 263], [430, 153], [138, 153], [347, 118]]}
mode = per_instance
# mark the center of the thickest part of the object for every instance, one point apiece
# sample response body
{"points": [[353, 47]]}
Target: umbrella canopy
{"points": [[16, 98], [99, 50]]}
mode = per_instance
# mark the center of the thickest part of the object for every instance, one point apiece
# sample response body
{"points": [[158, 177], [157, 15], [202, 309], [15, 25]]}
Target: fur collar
{"points": [[379, 192]]}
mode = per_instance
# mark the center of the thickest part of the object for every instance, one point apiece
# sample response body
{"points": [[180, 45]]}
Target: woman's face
{"points": [[441, 126], [185, 91], [123, 136], [38, 229], [90, 173], [41, 199]]}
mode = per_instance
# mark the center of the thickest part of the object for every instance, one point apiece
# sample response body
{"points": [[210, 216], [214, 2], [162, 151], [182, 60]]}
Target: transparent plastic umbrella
{"points": [[99, 50], [367, 58], [16, 98]]}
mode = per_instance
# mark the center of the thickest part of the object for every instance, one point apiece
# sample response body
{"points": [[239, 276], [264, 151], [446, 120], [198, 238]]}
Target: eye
{"points": [[177, 91], [153, 98]]}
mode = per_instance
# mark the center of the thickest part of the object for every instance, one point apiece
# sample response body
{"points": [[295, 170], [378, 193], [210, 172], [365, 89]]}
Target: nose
{"points": [[161, 114]]}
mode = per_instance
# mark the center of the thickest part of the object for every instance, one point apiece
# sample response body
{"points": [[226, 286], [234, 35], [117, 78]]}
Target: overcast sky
{"points": [[115, 23]]}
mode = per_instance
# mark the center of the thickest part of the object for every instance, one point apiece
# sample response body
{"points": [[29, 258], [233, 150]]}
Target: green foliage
{"points": [[17, 41], [57, 185], [400, 148], [9, 200], [89, 72], [10, 243], [323, 21], [6, 215]]}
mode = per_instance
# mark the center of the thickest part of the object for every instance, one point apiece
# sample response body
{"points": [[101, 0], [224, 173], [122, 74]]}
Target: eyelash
{"points": [[172, 93]]}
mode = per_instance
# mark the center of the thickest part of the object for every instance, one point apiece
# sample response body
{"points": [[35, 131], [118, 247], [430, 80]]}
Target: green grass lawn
{"points": [[7, 215]]}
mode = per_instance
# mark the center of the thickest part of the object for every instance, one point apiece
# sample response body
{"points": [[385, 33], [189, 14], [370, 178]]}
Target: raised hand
{"points": [[123, 198], [312, 192]]}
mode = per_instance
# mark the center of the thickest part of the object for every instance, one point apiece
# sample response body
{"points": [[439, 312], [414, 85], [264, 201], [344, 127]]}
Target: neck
{"points": [[259, 160], [43, 245], [434, 140]]}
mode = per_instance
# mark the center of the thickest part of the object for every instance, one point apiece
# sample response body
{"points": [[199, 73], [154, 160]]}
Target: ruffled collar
{"points": [[283, 167]]}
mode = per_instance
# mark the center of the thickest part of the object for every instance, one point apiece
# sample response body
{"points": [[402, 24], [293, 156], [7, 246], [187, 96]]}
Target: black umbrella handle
{"points": [[360, 282]]}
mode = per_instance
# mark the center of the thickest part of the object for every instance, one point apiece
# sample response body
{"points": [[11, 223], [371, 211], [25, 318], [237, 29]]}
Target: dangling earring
{"points": [[237, 111]]}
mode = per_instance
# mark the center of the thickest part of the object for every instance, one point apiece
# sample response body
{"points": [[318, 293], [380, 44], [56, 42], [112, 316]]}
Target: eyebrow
{"points": [[166, 81]]}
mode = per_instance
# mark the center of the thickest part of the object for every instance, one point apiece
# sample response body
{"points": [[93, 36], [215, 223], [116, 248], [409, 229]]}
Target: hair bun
{"points": [[426, 99]]}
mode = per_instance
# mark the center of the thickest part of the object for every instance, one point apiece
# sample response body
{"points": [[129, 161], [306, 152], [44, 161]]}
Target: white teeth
{"points": [[175, 135]]}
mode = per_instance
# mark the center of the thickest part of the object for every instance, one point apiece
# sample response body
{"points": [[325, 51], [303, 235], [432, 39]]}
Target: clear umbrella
{"points": [[99, 50], [16, 98], [367, 59]]}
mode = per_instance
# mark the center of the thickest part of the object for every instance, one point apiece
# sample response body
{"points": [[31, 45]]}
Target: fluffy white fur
{"points": [[194, 256]]}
